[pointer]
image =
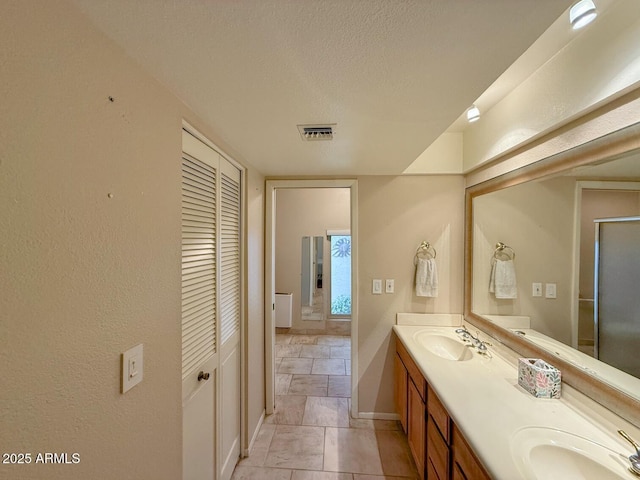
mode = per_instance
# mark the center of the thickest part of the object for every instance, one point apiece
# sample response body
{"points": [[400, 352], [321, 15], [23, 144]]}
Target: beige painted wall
{"points": [[600, 63], [305, 212], [86, 276], [395, 214], [444, 155], [535, 219]]}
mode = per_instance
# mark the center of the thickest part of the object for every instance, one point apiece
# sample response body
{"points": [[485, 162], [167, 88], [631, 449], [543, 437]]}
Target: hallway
{"points": [[311, 435]]}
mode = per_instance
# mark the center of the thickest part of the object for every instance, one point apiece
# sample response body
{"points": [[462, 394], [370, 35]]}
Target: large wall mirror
{"points": [[311, 278], [553, 265]]}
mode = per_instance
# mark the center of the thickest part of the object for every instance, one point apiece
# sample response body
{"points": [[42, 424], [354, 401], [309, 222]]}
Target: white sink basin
{"points": [[443, 346], [543, 453]]}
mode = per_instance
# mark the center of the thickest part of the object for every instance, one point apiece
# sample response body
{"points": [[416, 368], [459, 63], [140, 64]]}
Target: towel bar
{"points": [[500, 249], [425, 250]]}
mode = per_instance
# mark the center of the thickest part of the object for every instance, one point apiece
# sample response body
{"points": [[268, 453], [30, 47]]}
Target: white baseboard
{"points": [[378, 416], [254, 437]]}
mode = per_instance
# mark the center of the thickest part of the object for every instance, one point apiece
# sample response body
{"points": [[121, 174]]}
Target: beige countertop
{"points": [[484, 399]]}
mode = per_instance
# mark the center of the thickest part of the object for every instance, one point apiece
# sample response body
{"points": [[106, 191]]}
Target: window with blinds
{"points": [[198, 262], [229, 257]]}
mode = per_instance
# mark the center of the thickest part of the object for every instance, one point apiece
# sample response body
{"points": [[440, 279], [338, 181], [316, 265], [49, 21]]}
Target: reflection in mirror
{"points": [[617, 303], [312, 300], [550, 225]]}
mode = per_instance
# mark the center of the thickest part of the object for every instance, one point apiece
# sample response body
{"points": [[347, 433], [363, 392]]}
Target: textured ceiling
{"points": [[393, 74]]}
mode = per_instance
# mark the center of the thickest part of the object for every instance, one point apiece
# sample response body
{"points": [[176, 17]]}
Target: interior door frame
{"points": [[271, 186], [577, 224]]}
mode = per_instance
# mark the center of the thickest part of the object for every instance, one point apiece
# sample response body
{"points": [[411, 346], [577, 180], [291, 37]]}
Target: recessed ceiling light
{"points": [[582, 13], [473, 114]]}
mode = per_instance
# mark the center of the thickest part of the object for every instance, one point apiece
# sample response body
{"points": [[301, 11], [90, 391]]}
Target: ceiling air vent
{"points": [[317, 132]]}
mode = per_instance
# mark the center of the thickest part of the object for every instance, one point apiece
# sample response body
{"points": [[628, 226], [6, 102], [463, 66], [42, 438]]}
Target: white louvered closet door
{"points": [[198, 262], [210, 312], [230, 231]]}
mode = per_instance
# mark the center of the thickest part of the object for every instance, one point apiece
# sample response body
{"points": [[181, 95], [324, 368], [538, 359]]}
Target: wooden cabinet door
{"points": [[400, 392], [416, 420], [431, 472], [465, 460], [456, 474]]}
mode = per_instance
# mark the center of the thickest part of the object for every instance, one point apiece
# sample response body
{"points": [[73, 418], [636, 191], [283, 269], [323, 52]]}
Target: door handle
{"points": [[203, 376]]}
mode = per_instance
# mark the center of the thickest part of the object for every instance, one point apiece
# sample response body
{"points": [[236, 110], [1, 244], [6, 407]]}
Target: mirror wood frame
{"points": [[626, 140]]}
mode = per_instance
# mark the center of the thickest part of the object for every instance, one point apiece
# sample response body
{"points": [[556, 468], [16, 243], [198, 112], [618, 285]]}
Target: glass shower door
{"points": [[617, 294]]}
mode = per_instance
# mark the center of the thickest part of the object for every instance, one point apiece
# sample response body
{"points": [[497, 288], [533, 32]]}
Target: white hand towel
{"points": [[503, 279], [426, 278]]}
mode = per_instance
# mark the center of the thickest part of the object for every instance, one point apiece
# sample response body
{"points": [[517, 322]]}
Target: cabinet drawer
{"points": [[412, 369], [440, 415], [464, 458], [437, 450]]}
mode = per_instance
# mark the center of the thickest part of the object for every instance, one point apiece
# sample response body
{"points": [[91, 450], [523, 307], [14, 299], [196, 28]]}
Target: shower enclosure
{"points": [[617, 293]]}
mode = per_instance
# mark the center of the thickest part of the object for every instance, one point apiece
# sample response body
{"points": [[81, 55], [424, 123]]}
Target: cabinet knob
{"points": [[203, 376]]}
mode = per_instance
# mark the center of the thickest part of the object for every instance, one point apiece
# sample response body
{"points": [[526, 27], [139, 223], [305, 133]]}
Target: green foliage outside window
{"points": [[341, 305]]}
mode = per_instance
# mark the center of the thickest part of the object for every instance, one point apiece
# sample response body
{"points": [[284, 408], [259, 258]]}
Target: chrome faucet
{"points": [[634, 459], [467, 337]]}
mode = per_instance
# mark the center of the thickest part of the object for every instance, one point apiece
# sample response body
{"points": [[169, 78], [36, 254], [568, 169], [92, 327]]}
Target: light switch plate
{"points": [[377, 286], [389, 285], [132, 363], [550, 290], [536, 289]]}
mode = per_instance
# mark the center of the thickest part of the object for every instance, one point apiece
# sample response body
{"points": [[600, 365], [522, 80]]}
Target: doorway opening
{"points": [[302, 218]]}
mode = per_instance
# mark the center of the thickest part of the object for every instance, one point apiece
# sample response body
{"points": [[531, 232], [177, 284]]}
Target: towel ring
{"points": [[425, 250], [502, 249]]}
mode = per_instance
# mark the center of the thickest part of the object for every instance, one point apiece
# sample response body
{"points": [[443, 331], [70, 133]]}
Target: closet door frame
{"points": [[244, 435]]}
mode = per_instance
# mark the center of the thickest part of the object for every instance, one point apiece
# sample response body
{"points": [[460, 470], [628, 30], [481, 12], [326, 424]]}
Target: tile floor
{"points": [[311, 436]]}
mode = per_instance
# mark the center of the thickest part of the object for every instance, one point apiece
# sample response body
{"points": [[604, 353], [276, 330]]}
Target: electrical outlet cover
{"points": [[389, 286]]}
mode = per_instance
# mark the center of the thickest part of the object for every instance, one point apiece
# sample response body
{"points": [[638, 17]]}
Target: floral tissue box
{"points": [[539, 378]]}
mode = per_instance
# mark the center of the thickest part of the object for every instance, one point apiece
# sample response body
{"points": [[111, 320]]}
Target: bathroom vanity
{"points": [[466, 417], [437, 445]]}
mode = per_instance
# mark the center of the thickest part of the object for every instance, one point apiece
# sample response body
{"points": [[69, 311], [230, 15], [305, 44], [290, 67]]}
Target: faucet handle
{"points": [[477, 337], [464, 333]]}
